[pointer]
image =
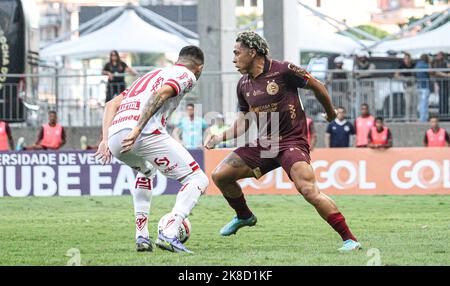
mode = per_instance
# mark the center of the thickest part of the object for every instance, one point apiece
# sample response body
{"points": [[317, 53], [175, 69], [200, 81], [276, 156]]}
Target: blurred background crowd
{"points": [[61, 60]]}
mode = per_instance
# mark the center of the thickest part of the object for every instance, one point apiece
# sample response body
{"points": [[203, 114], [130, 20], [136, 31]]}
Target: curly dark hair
{"points": [[252, 40]]}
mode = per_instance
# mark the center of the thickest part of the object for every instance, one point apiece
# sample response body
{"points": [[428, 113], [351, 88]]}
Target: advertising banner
{"points": [[397, 171], [356, 171], [72, 173]]}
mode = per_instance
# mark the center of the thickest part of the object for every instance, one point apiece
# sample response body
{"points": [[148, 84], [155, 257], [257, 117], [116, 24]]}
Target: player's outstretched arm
{"points": [[321, 93], [239, 127], [153, 104]]}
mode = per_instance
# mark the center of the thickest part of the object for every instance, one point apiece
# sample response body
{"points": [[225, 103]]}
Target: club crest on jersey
{"points": [[272, 88]]}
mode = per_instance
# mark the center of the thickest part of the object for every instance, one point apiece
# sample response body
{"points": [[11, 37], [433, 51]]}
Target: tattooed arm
{"points": [[151, 107]]}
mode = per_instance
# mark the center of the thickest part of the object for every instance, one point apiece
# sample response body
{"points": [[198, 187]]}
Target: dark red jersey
{"points": [[276, 90]]}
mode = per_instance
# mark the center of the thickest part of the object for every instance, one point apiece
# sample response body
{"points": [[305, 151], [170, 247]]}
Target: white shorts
{"points": [[153, 152]]}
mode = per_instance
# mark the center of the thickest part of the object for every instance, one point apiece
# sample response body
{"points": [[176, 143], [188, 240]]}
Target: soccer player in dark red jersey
{"points": [[267, 92]]}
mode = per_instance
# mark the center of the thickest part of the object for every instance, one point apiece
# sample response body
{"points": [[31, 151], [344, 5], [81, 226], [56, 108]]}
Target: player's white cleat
{"points": [[350, 245]]}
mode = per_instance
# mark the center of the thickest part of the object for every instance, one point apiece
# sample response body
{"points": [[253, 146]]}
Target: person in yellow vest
{"points": [[379, 135], [436, 136], [363, 124], [52, 135], [217, 128], [6, 140]]}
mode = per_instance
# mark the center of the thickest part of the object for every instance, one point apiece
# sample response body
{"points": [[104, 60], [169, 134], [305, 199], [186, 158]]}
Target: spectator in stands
{"points": [[312, 136], [51, 136], [115, 69], [337, 80], [217, 128], [365, 86], [442, 82], [362, 126], [379, 135], [6, 139], [363, 63], [423, 86], [339, 131], [407, 79], [340, 73], [189, 130], [436, 136]]}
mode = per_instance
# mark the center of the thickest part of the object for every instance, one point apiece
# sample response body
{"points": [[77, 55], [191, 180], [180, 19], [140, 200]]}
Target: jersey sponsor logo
{"points": [[292, 111], [169, 169], [300, 72], [134, 105], [125, 118], [272, 107], [273, 74], [157, 83], [183, 76], [272, 87], [162, 161], [257, 92], [188, 85]]}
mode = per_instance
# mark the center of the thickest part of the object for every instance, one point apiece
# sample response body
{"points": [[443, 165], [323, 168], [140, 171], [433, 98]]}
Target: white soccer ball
{"points": [[184, 231]]}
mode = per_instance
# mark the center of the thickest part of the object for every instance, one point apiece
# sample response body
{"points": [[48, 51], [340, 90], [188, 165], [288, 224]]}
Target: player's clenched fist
{"points": [[210, 141], [330, 116]]}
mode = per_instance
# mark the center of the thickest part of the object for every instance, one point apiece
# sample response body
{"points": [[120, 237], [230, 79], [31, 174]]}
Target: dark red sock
{"points": [[337, 222], [240, 206]]}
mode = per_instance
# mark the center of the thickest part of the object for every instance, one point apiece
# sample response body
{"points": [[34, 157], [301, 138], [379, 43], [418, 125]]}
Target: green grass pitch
{"points": [[404, 230]]}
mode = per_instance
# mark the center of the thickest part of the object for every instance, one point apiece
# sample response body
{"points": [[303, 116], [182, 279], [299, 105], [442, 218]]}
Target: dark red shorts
{"points": [[287, 156]]}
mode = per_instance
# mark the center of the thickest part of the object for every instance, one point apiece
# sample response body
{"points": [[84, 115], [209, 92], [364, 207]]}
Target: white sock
{"points": [[142, 196], [193, 187]]}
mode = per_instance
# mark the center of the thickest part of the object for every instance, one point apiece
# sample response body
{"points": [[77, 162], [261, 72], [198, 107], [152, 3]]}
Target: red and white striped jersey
{"points": [[181, 79]]}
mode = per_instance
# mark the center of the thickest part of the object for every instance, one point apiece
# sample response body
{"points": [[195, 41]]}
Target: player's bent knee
{"points": [[219, 177], [309, 192]]}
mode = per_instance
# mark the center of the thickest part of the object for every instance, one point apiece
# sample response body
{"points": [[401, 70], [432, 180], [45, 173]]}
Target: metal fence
{"points": [[79, 96], [388, 94]]}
